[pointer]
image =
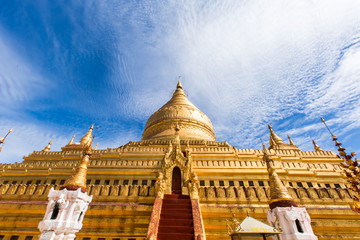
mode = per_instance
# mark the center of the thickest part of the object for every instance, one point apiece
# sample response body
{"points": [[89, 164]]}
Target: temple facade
{"points": [[177, 182]]}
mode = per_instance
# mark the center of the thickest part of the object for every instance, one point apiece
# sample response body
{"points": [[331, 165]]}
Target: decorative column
{"points": [[156, 211], [199, 230], [284, 213], [67, 206]]}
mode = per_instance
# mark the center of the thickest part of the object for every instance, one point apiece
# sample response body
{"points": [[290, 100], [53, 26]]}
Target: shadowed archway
{"points": [[176, 181]]}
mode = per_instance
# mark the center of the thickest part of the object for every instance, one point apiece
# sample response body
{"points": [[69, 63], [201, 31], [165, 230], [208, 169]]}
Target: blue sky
{"points": [[65, 65]]}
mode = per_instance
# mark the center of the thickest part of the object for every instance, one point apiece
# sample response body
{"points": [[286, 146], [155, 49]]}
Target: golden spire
{"points": [[87, 139], [279, 196], [96, 146], [278, 144], [316, 147], [78, 178], [47, 148], [276, 139], [291, 141], [72, 140], [179, 83]]}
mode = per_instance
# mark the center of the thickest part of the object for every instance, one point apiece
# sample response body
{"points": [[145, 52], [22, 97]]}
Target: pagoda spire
{"points": [[72, 140], [78, 178], [277, 143], [87, 139], [316, 147], [291, 141], [274, 139], [47, 148], [279, 196], [179, 83]]}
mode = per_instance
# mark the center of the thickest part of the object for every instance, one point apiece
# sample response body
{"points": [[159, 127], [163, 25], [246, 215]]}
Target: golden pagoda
{"points": [[178, 159]]}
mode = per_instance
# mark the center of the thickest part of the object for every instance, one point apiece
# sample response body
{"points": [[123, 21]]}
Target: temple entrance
{"points": [[176, 181]]}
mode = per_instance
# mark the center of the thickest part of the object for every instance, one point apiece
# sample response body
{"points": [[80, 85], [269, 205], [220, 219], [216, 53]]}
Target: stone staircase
{"points": [[176, 220]]}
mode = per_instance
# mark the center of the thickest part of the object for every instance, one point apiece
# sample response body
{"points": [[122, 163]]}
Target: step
{"points": [[176, 196], [176, 204], [175, 236], [177, 201], [179, 207], [176, 208], [176, 212], [176, 229], [178, 216], [176, 222]]}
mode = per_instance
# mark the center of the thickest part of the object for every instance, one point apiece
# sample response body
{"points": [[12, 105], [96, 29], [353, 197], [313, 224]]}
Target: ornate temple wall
{"points": [[122, 182]]}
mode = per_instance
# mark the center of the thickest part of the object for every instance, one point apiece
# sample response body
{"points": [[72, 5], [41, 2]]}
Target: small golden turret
{"points": [[275, 138], [316, 147], [78, 178], [96, 146], [72, 140], [47, 148], [277, 143], [291, 141], [87, 139], [279, 196]]}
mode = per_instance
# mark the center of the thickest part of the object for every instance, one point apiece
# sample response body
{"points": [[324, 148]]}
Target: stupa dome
{"points": [[179, 112]]}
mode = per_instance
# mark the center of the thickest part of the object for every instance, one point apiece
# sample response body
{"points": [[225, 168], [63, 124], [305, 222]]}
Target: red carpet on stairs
{"points": [[176, 220]]}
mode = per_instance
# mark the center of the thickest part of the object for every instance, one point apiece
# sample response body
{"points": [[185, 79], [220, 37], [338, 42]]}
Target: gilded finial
{"points": [[279, 196], [96, 146], [87, 139], [291, 141], [72, 140], [351, 169], [2, 139], [275, 138], [278, 144], [78, 178], [316, 147], [179, 83], [47, 148]]}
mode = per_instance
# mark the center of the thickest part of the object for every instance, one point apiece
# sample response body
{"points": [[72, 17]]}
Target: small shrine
{"points": [[250, 228]]}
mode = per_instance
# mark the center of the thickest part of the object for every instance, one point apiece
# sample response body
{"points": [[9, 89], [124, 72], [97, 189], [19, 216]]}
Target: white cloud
{"points": [[19, 81], [248, 63], [244, 63], [27, 137]]}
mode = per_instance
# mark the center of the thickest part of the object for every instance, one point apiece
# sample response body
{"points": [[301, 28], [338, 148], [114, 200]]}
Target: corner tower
{"points": [[66, 207], [179, 111], [284, 213]]}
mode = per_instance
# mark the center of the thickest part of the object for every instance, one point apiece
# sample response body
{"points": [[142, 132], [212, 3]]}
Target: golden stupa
{"points": [[179, 111]]}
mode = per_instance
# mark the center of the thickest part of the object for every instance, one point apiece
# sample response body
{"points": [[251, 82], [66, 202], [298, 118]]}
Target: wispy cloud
{"points": [[18, 80], [243, 64], [248, 63]]}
